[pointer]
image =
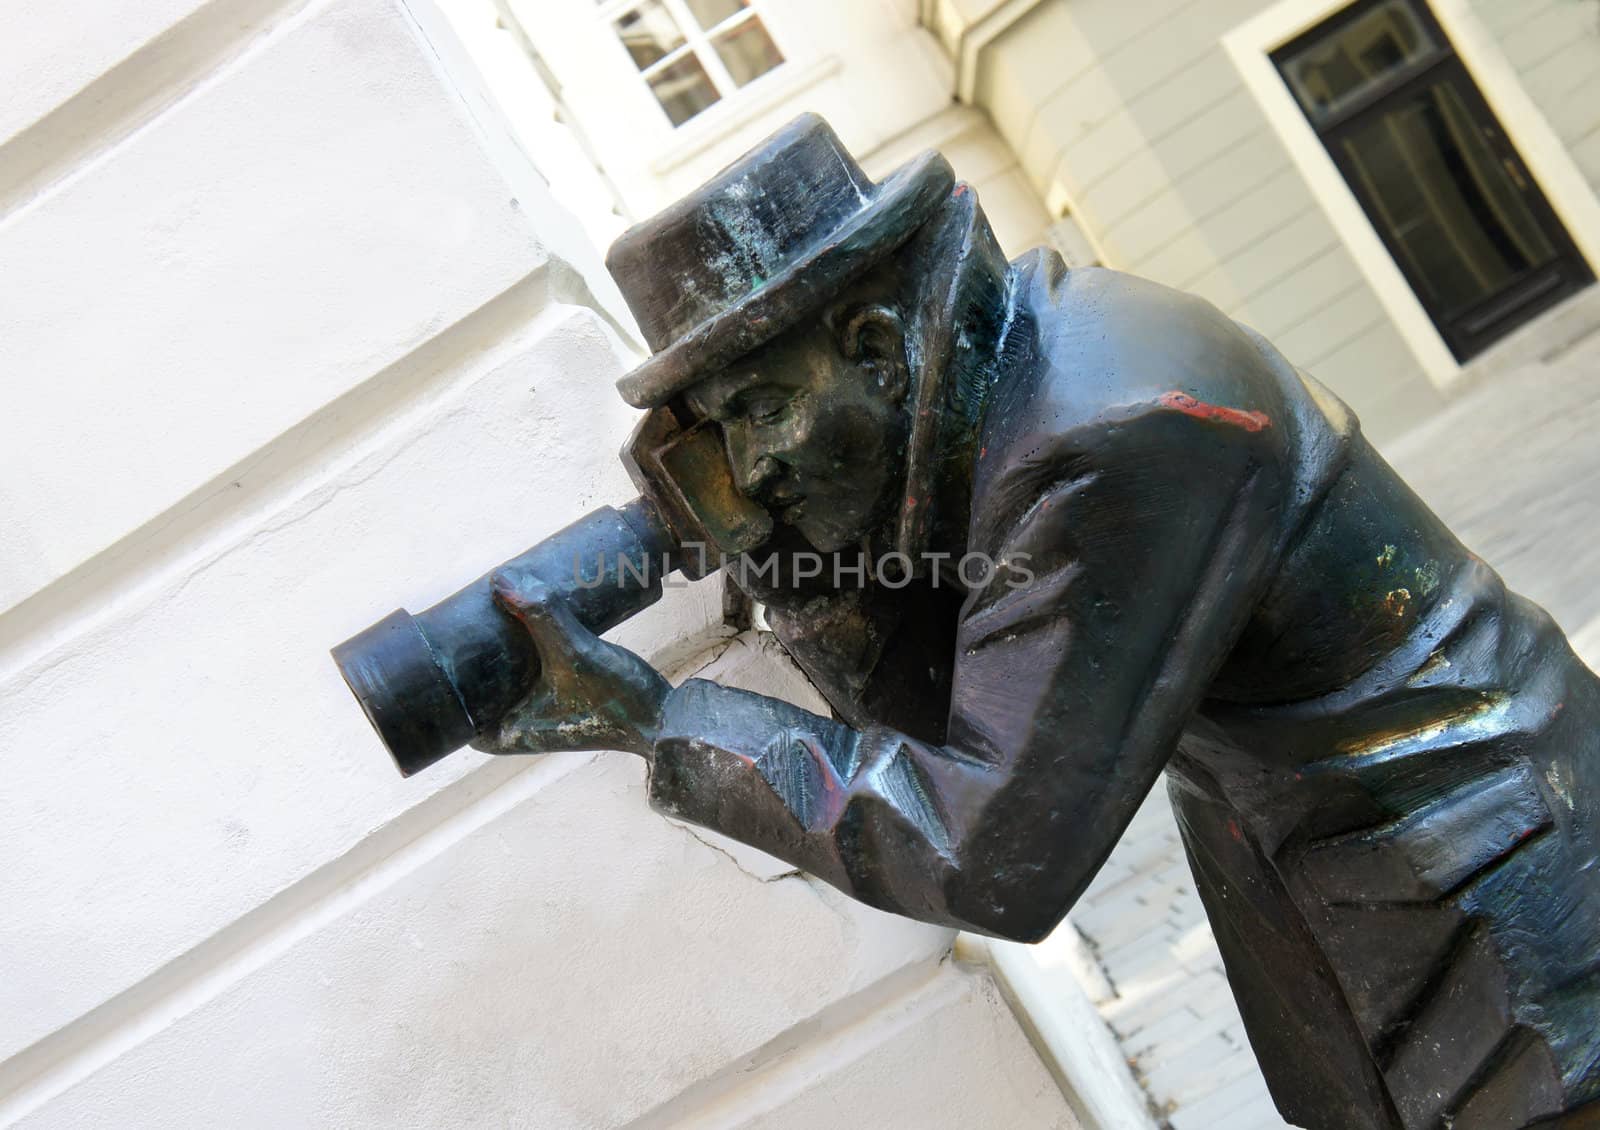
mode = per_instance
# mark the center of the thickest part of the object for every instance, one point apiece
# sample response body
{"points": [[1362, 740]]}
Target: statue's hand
{"points": [[590, 695]]}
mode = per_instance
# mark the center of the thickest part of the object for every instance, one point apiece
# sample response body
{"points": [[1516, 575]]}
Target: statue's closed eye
{"points": [[767, 410]]}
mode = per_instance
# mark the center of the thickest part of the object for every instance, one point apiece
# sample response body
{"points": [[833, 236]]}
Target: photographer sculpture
{"points": [[1184, 557]]}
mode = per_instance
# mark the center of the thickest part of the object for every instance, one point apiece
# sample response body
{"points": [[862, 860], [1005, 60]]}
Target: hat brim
{"points": [[901, 204]]}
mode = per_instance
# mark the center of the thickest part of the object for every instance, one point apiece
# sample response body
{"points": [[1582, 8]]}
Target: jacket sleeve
{"points": [[1148, 534]]}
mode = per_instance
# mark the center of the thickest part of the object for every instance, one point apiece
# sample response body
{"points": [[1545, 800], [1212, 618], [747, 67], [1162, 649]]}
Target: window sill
{"points": [[697, 135]]}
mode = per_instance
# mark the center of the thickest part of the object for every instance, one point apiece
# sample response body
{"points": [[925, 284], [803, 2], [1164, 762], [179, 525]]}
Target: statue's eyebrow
{"points": [[708, 400], [728, 394], [762, 386]]}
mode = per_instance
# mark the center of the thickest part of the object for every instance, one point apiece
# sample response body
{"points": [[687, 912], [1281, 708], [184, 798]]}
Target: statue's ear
{"points": [[874, 338]]}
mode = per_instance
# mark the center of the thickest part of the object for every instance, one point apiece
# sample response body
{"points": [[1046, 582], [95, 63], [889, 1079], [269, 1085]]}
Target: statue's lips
{"points": [[787, 503]]}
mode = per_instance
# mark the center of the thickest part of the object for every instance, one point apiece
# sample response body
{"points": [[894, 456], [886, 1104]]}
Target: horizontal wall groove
{"points": [[1222, 267], [1129, 104], [1098, 60], [49, 1067], [1147, 145], [233, 505], [1293, 269], [1345, 342], [1316, 312], [72, 1053], [1174, 178], [784, 1066], [112, 108], [1199, 225], [1176, 188]]}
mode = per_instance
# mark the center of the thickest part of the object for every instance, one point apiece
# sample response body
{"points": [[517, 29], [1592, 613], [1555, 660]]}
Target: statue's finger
{"points": [[523, 595], [540, 737], [567, 648], [558, 635]]}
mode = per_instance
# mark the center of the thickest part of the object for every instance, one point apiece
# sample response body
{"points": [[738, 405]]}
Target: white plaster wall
{"points": [[537, 117], [1554, 46], [290, 336]]}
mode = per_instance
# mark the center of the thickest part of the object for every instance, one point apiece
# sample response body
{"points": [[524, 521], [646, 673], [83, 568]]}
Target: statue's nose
{"points": [[757, 474], [752, 468]]}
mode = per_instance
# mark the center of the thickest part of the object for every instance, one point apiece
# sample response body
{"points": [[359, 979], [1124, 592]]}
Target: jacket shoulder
{"points": [[1105, 338], [1120, 378]]}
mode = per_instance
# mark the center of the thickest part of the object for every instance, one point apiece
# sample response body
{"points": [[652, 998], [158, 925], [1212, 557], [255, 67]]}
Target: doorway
{"points": [[1433, 169]]}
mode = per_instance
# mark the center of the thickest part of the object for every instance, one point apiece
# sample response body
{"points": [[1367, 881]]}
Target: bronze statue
{"points": [[1040, 534]]}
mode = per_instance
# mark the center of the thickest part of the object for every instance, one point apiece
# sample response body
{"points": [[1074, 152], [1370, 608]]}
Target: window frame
{"points": [[697, 41]]}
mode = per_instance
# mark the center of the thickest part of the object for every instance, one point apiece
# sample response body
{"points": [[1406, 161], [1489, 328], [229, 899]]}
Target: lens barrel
{"points": [[429, 683]]}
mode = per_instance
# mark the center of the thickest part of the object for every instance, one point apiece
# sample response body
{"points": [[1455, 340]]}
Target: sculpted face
{"points": [[815, 422]]}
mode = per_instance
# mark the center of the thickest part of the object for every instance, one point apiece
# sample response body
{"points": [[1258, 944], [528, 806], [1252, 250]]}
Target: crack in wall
{"points": [[792, 873]]}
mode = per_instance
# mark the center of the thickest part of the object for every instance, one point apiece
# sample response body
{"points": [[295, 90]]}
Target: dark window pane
{"points": [[710, 13], [683, 88], [1330, 75], [1454, 211], [649, 33], [747, 50]]}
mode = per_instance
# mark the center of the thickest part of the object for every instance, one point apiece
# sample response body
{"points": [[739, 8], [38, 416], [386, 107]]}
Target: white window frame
{"points": [[697, 42], [1250, 46]]}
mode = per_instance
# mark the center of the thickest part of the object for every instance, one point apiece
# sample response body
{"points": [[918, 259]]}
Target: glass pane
{"points": [[747, 50], [683, 89], [1328, 76], [649, 33], [710, 13], [1455, 212]]}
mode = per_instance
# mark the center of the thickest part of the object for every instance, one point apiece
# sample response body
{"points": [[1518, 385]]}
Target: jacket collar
{"points": [[959, 332]]}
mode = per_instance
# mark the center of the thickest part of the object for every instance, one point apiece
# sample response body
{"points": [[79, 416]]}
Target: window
{"points": [[692, 53], [1432, 168]]}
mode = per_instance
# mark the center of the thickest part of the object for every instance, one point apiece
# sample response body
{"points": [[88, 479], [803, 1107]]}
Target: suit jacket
{"points": [[1384, 764]]}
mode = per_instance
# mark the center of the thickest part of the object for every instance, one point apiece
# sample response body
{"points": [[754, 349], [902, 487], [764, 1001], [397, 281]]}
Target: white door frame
{"points": [[1569, 194]]}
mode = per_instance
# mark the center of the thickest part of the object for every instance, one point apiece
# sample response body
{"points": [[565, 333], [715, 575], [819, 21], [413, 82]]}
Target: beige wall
{"points": [[981, 157], [1554, 47]]}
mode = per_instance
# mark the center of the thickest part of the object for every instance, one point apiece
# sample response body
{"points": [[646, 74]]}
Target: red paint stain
{"points": [[911, 502], [1235, 831], [1200, 410]]}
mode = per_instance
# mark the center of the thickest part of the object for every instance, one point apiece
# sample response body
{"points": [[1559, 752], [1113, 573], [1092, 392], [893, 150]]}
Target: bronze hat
{"points": [[751, 252]]}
